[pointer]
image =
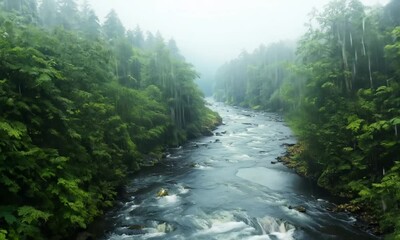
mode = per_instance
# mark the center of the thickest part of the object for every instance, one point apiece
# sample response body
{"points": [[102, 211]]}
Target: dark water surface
{"points": [[225, 187]]}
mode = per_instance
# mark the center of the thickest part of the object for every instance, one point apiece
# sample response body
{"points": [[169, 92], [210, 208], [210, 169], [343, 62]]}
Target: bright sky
{"points": [[211, 32]]}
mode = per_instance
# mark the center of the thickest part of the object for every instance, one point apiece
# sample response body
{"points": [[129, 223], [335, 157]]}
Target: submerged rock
{"points": [[165, 228], [298, 208], [135, 227], [162, 193], [193, 165]]}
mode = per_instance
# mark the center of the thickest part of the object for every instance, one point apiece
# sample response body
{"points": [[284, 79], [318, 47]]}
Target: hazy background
{"points": [[211, 32]]}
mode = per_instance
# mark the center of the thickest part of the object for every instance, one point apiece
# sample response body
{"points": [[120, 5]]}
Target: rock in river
{"points": [[162, 193], [298, 208]]}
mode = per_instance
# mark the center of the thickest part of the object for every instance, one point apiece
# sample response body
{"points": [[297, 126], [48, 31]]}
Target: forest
{"points": [[339, 88], [82, 106]]}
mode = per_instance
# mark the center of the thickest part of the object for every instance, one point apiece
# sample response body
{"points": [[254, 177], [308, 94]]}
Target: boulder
{"points": [[298, 208], [135, 227], [207, 132], [162, 193]]}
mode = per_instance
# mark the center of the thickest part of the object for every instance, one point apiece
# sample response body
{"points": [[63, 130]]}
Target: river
{"points": [[225, 187]]}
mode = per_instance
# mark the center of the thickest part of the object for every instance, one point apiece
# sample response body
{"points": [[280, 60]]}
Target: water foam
{"points": [[182, 189], [223, 227], [168, 200], [280, 230]]}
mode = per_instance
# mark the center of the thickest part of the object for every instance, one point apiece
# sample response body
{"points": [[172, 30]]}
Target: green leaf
{"points": [[3, 234], [6, 212], [43, 78], [388, 144], [355, 125], [365, 193], [348, 149], [30, 214], [14, 130], [344, 167], [395, 121]]}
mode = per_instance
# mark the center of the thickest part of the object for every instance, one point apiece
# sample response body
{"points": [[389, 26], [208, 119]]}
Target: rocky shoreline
{"points": [[365, 220]]}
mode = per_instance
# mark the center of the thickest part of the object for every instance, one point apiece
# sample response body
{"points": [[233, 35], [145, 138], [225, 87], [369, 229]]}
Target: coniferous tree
{"points": [[58, 169], [90, 24], [69, 14], [112, 27]]}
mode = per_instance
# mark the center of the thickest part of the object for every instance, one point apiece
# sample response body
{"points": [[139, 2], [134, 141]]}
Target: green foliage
{"points": [[342, 98], [78, 113], [257, 79], [30, 215], [349, 117]]}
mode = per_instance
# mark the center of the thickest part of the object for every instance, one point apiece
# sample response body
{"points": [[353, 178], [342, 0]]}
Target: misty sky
{"points": [[211, 32]]}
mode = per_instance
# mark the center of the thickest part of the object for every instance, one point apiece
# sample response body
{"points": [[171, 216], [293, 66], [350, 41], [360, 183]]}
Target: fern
{"points": [[14, 130], [31, 215]]}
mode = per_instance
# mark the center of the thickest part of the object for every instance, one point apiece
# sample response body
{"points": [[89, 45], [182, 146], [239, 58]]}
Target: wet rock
{"points": [[135, 227], [208, 132], [165, 227], [274, 162], [347, 207], [288, 144], [162, 193], [165, 155], [193, 165], [197, 145], [298, 208], [220, 133], [217, 140]]}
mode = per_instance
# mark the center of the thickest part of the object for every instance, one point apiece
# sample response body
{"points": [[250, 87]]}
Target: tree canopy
{"points": [[340, 90], [81, 107]]}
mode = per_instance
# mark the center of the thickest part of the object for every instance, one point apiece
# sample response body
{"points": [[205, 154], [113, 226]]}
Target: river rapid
{"points": [[225, 187]]}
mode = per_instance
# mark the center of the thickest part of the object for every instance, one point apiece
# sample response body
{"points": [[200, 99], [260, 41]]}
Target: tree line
{"points": [[82, 106], [339, 86]]}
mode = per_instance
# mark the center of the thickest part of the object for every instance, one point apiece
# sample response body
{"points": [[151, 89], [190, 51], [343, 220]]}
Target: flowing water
{"points": [[225, 187]]}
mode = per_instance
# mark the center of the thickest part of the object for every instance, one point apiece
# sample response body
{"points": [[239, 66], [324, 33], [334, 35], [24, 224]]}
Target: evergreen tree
{"points": [[69, 14], [112, 27], [90, 24], [76, 115], [26, 8]]}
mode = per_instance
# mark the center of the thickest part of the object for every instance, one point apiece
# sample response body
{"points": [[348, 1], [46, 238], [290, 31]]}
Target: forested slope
{"points": [[341, 93], [81, 106]]}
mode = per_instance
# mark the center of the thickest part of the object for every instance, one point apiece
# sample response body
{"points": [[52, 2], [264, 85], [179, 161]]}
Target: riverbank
{"points": [[205, 126], [365, 219]]}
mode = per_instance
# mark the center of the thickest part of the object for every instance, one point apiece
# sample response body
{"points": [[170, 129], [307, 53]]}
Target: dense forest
{"points": [[339, 87], [82, 105]]}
